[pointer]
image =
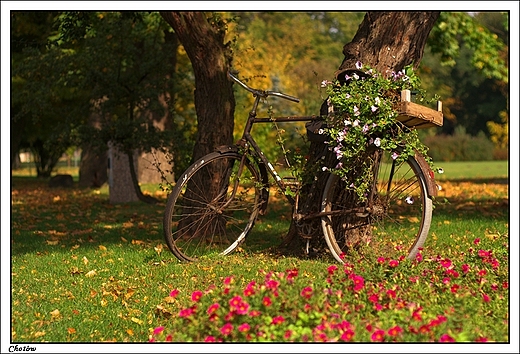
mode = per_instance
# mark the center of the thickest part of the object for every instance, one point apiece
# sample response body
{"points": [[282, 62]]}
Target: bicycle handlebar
{"points": [[262, 93]]}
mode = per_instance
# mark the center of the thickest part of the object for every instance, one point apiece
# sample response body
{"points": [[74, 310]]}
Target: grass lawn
{"points": [[84, 270]]}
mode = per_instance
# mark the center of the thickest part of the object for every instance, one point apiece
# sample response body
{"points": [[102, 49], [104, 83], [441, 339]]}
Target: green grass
{"points": [[83, 270], [473, 170]]}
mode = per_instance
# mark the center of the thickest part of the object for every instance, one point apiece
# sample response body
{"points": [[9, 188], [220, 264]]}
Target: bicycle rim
{"points": [[394, 225], [211, 209]]}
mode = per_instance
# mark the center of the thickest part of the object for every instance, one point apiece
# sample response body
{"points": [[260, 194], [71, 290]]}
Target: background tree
{"points": [[202, 36]]}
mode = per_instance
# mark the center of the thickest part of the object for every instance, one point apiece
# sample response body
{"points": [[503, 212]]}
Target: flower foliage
{"points": [[388, 300], [362, 118]]}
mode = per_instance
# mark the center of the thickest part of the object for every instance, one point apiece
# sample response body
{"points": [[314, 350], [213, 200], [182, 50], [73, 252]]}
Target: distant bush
{"points": [[460, 147]]}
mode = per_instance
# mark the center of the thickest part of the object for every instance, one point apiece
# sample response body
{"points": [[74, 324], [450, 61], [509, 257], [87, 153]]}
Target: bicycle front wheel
{"points": [[395, 220], [212, 207]]}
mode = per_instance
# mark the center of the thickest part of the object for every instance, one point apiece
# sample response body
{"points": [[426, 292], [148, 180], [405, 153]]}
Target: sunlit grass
{"points": [[84, 270]]}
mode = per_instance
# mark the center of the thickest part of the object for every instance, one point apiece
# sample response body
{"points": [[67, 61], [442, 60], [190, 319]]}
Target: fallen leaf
{"points": [[52, 243], [130, 332], [102, 248], [85, 260], [136, 320], [91, 273], [71, 330]]}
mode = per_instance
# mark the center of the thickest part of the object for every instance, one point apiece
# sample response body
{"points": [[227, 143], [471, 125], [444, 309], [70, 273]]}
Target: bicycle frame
{"points": [[247, 141]]}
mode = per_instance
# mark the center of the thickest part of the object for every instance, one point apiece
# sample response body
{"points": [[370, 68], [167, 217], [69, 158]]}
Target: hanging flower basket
{"points": [[367, 110]]}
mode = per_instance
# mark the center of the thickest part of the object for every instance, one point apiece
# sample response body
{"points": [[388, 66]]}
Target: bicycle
{"points": [[216, 201]]}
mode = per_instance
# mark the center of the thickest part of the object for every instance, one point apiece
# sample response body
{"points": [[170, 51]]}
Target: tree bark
{"points": [[387, 41], [210, 58]]}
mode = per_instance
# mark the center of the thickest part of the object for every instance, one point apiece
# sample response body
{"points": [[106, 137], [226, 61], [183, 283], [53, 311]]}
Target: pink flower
{"points": [[393, 263], [277, 320], [228, 280], [347, 335], [235, 301], [186, 312], [483, 253], [196, 295], [445, 338], [465, 268], [210, 339], [244, 327], [446, 263], [267, 301], [250, 289], [418, 257], [287, 334], [242, 308], [158, 330], [381, 260], [359, 282], [391, 293], [213, 308], [306, 292], [476, 241], [174, 293], [373, 298], [486, 298], [254, 313], [378, 336], [226, 329]]}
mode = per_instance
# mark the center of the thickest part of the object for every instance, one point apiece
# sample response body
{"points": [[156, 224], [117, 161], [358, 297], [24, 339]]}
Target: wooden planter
{"points": [[414, 115]]}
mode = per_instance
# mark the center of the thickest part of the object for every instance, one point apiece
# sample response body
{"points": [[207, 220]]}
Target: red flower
{"points": [[244, 327], [483, 253], [393, 263], [454, 288], [226, 329], [277, 320], [174, 293], [394, 331], [378, 336], [359, 282], [332, 269], [373, 298], [242, 308], [446, 263], [235, 301], [306, 292], [381, 260], [465, 268], [196, 295], [347, 335], [186, 312], [267, 301], [476, 241], [445, 338], [486, 298]]}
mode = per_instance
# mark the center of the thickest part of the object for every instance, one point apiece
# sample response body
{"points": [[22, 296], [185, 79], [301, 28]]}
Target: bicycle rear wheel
{"points": [[396, 218], [212, 207]]}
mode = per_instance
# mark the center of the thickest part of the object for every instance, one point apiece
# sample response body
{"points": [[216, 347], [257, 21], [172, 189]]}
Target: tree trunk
{"points": [[210, 58], [387, 41]]}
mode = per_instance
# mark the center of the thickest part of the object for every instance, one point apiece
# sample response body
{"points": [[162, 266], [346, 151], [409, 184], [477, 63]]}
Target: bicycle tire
{"points": [[197, 221], [398, 222]]}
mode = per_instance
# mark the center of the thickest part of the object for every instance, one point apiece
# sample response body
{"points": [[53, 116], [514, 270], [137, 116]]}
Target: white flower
{"points": [[356, 122], [395, 155], [347, 122], [359, 65], [440, 170], [356, 112], [377, 142], [378, 101], [409, 200], [355, 76]]}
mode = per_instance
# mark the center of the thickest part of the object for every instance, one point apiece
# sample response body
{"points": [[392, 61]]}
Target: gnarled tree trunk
{"points": [[387, 41]]}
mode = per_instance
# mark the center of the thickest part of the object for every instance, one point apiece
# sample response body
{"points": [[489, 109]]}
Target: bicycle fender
{"points": [[431, 186]]}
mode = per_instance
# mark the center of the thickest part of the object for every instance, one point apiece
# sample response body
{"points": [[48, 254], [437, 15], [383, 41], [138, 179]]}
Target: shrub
{"points": [[459, 147]]}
